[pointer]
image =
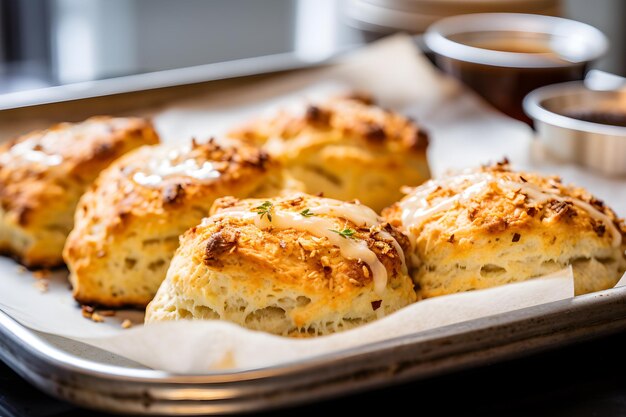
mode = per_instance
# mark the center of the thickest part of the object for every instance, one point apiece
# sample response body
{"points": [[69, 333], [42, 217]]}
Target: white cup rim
{"points": [[564, 30], [535, 108]]}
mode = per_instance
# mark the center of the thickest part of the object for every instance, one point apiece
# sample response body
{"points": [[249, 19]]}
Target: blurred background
{"points": [[53, 42]]}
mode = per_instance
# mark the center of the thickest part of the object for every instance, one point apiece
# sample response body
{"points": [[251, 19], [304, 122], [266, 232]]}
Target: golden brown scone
{"points": [[346, 148], [128, 223], [44, 173], [294, 266], [493, 226]]}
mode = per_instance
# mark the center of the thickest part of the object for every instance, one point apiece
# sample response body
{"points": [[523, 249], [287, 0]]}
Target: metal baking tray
{"points": [[97, 379], [84, 377]]}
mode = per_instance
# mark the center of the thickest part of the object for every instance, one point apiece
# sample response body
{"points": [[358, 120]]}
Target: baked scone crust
{"points": [[283, 280], [44, 173], [127, 228], [346, 148], [505, 229]]}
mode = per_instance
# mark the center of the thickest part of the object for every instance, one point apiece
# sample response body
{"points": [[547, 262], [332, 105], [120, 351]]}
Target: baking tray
{"points": [[134, 389], [97, 379]]}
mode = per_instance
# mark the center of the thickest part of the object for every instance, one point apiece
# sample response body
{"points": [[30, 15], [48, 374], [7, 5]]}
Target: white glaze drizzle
{"points": [[25, 151], [359, 215], [158, 169], [416, 209], [321, 227], [47, 149]]}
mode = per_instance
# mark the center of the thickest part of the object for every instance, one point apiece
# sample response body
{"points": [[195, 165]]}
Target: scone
{"points": [[347, 149], [128, 223], [294, 266], [44, 173], [492, 226]]}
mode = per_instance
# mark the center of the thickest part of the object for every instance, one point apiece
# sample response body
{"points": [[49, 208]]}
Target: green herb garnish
{"points": [[307, 213], [264, 209], [345, 233]]}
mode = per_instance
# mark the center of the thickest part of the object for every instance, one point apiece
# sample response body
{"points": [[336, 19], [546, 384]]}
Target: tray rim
{"points": [[41, 346], [176, 77], [65, 375]]}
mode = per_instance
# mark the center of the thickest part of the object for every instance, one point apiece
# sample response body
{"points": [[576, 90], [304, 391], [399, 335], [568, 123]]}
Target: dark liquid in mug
{"points": [[506, 87], [524, 46], [605, 118]]}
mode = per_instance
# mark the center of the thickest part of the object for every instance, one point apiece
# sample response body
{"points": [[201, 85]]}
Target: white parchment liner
{"points": [[464, 132]]}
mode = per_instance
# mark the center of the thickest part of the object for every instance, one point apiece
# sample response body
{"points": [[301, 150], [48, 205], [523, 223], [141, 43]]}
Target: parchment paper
{"points": [[200, 346], [464, 132]]}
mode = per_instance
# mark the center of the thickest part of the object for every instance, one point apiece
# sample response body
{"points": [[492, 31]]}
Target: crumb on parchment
{"points": [[86, 311], [41, 285], [95, 317], [98, 316], [89, 312], [41, 274]]}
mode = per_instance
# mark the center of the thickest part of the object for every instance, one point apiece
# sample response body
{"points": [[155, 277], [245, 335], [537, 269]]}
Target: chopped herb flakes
{"points": [[264, 209], [345, 233], [307, 213]]}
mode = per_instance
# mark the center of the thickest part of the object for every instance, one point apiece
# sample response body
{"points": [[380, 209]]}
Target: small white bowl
{"points": [[601, 147]]}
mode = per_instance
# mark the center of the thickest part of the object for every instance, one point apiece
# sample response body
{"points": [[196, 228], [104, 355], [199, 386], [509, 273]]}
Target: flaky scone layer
{"points": [[294, 266], [346, 148], [492, 226], [129, 222], [44, 173]]}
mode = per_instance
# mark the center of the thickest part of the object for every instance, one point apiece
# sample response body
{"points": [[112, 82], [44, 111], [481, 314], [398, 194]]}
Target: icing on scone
{"points": [[416, 208], [320, 226]]}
